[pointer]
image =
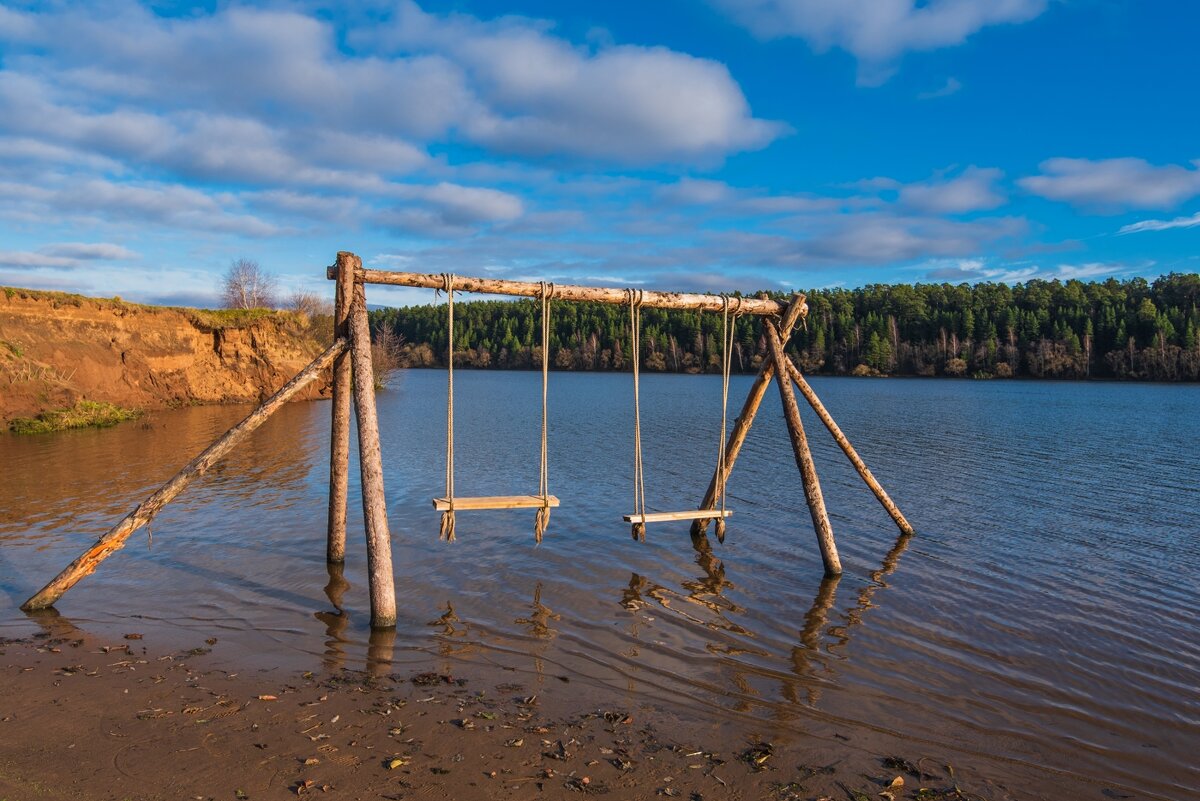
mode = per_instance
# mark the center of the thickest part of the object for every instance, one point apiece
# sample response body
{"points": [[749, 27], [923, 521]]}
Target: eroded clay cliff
{"points": [[56, 349]]}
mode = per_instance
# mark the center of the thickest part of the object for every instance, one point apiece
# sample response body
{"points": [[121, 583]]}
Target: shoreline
{"points": [[88, 717]]}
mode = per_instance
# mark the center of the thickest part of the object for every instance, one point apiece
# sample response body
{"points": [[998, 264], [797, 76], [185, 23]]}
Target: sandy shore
{"points": [[84, 718]]}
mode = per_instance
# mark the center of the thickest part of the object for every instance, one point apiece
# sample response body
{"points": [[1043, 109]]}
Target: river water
{"points": [[1046, 613]]}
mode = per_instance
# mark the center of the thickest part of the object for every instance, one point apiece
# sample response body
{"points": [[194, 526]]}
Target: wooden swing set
{"points": [[353, 380]]}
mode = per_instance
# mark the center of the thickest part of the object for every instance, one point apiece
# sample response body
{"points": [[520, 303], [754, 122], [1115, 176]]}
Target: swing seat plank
{"points": [[692, 514], [494, 502]]}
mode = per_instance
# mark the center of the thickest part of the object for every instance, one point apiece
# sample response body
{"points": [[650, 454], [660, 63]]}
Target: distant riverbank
{"points": [[1131, 330]]}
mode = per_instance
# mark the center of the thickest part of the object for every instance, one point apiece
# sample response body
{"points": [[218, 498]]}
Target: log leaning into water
{"points": [[379, 537], [741, 426], [804, 460], [847, 448], [592, 294], [115, 538], [339, 436]]}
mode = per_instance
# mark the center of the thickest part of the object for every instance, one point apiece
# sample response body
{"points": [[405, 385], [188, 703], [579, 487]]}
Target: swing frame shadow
{"points": [[352, 378]]}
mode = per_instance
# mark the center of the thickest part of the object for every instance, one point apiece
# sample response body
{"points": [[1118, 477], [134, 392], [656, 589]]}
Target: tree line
{"points": [[1133, 329]]}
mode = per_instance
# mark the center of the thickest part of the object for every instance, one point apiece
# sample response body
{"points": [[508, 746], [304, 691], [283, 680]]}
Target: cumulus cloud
{"points": [[509, 85], [1161, 225], [540, 94], [1113, 185], [877, 32], [276, 121], [974, 189], [237, 122], [449, 210]]}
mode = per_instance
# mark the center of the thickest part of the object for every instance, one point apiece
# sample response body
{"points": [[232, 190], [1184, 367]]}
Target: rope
{"points": [[446, 531], [639, 476], [728, 335], [543, 514]]}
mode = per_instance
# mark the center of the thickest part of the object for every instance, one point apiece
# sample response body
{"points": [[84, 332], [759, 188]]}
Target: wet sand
{"points": [[84, 717]]}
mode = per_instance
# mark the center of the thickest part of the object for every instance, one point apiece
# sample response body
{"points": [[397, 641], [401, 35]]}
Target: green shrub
{"points": [[84, 414]]}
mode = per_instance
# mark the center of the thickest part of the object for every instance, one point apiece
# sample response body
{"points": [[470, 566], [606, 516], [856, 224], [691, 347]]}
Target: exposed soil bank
{"points": [[84, 718], [56, 349]]}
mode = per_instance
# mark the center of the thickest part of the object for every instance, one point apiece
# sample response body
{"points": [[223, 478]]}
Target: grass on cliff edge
{"points": [[84, 414], [206, 319]]}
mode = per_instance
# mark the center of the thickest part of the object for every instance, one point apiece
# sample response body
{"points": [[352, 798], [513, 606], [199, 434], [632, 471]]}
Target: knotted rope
{"points": [[446, 532], [543, 514], [635, 297]]}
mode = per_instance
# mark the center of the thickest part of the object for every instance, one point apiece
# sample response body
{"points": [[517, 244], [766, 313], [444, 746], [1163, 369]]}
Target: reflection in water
{"points": [[806, 657], [631, 596], [381, 649], [276, 456], [453, 639], [538, 625], [337, 620], [381, 643], [54, 625], [538, 622], [808, 660], [708, 589], [854, 615]]}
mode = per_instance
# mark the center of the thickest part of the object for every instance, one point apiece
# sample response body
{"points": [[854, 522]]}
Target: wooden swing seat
{"points": [[691, 514], [495, 502]]}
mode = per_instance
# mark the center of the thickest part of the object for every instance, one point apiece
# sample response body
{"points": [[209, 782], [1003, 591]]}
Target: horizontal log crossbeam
{"points": [[592, 294]]}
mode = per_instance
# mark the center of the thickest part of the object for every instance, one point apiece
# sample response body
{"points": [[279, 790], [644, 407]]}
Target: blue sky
{"points": [[692, 144]]}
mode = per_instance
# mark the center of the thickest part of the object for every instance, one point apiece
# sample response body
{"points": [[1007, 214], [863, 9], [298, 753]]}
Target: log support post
{"points": [[339, 438], [804, 460], [379, 538], [745, 419], [847, 448]]}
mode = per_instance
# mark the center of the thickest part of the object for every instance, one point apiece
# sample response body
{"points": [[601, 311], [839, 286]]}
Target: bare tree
{"points": [[309, 303], [248, 286], [386, 355]]}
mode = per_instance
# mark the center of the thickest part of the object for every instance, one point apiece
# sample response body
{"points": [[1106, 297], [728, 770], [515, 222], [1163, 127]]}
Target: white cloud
{"points": [[723, 198], [466, 204], [98, 199], [509, 85], [972, 190], [1111, 185], [66, 255], [261, 122], [89, 251], [952, 86], [696, 191], [449, 210], [884, 238], [541, 95], [981, 270], [25, 258], [877, 32], [1161, 225]]}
